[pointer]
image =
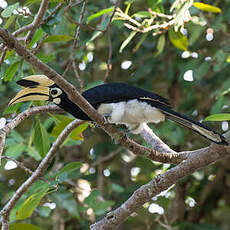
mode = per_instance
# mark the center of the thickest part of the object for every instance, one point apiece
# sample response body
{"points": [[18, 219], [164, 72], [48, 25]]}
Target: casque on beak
{"points": [[34, 88]]}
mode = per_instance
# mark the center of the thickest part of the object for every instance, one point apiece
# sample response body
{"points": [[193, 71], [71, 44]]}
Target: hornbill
{"points": [[119, 103]]}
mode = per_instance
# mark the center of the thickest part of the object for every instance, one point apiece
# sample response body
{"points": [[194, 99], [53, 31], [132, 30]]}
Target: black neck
{"points": [[73, 109]]}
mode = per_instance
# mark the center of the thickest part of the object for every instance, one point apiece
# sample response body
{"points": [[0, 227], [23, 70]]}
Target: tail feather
{"points": [[194, 125]]}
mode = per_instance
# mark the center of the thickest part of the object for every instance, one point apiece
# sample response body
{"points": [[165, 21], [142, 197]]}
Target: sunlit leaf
{"points": [[127, 40], [100, 13], [62, 121], [160, 45], [11, 71], [30, 204], [9, 10], [70, 167], [142, 14], [218, 117], [37, 36], [207, 7], [46, 57], [58, 38], [23, 226], [178, 39], [9, 21]]}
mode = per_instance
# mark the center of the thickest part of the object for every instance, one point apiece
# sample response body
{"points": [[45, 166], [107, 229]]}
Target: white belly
{"points": [[131, 112]]}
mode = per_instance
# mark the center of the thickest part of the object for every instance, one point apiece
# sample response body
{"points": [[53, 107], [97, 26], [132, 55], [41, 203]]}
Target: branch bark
{"points": [[197, 160]]}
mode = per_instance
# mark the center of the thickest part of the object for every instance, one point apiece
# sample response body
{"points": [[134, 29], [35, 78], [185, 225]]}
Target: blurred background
{"points": [[186, 61]]}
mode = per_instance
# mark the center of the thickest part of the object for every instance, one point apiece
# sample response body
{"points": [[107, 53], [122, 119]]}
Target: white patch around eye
{"points": [[55, 92], [57, 100]]}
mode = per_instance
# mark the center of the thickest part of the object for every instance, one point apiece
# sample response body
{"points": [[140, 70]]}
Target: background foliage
{"points": [[188, 63]]}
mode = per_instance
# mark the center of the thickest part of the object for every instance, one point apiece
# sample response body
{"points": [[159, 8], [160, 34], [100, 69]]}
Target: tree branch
{"points": [[76, 97], [37, 19], [197, 160], [37, 173]]}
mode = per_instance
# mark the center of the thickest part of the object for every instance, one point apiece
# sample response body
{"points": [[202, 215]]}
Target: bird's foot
{"points": [[107, 118]]}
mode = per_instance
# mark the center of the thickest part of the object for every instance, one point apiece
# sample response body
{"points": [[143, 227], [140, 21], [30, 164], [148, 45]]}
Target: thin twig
{"points": [[109, 65], [59, 6], [75, 44], [37, 19], [107, 157], [22, 166]]}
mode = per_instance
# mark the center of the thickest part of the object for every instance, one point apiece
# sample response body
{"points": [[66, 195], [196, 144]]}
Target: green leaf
{"points": [[11, 71], [41, 138], [46, 57], [58, 38], [160, 45], [23, 226], [62, 121], [178, 39], [9, 10], [9, 22], [12, 108], [15, 150], [102, 207], [99, 207], [117, 188], [207, 7], [37, 36], [143, 37], [218, 117], [93, 84], [100, 13], [70, 167], [44, 211], [76, 133], [127, 40], [30, 204], [142, 14], [217, 107]]}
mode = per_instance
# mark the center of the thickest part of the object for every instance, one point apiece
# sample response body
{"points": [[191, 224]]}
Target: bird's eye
{"points": [[55, 92]]}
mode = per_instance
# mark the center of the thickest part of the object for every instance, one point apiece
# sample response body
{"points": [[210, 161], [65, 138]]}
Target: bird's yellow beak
{"points": [[34, 88]]}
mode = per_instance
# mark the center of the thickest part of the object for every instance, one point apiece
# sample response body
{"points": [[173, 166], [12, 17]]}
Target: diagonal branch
{"points": [[12, 43], [199, 159]]}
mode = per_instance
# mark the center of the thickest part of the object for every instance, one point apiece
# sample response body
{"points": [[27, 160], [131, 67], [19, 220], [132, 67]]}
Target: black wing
{"points": [[117, 92]]}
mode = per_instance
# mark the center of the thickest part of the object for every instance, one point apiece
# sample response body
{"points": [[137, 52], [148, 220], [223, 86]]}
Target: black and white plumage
{"points": [[119, 103]]}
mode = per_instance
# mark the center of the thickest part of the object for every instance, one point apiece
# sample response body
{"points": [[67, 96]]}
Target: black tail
{"points": [[194, 125]]}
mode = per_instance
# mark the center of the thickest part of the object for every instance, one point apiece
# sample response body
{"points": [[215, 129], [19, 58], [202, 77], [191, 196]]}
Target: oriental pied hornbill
{"points": [[117, 102]]}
